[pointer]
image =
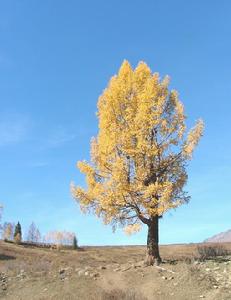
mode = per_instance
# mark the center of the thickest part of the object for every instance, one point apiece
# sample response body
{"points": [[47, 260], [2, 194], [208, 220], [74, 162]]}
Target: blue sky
{"points": [[56, 57]]}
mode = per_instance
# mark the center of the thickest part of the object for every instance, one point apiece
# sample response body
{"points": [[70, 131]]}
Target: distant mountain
{"points": [[220, 237]]}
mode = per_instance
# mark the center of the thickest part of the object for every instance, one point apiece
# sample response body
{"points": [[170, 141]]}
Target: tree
{"points": [[8, 231], [139, 158], [1, 209], [60, 238], [18, 233], [75, 243], [33, 235]]}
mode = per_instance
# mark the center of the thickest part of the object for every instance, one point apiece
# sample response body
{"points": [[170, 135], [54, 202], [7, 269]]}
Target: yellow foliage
{"points": [[18, 238], [138, 159], [132, 228]]}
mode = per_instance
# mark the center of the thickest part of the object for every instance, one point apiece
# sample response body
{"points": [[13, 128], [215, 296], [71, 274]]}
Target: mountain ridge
{"points": [[221, 237]]}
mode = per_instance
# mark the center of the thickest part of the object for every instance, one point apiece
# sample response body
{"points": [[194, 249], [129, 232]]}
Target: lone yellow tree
{"points": [[138, 171]]}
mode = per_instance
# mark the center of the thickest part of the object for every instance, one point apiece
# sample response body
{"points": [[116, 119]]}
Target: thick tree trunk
{"points": [[153, 256]]}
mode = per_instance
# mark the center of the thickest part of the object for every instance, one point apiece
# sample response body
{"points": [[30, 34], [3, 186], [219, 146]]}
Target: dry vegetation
{"points": [[112, 273]]}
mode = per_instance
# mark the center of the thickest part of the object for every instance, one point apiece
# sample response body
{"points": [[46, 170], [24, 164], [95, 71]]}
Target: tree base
{"points": [[152, 260]]}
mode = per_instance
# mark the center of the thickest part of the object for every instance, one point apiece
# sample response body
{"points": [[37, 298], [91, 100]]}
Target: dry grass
{"points": [[117, 294], [42, 273]]}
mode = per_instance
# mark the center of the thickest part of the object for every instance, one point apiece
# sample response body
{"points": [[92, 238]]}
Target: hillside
{"points": [[222, 237], [100, 272]]}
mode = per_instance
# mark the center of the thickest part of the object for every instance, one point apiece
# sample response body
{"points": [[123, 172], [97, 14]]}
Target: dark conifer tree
{"points": [[75, 244], [18, 233]]}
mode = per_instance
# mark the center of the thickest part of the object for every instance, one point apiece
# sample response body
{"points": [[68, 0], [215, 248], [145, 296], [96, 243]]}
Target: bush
{"points": [[118, 294], [211, 251]]}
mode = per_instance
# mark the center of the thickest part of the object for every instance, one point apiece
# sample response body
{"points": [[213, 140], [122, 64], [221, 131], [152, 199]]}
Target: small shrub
{"points": [[118, 294], [211, 251], [185, 259]]}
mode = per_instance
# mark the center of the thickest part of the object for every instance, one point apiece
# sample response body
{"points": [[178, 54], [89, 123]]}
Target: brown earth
{"points": [[111, 273]]}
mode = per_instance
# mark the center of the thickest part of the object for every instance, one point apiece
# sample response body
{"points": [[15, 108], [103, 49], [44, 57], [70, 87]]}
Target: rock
{"points": [[94, 275], [3, 279], [125, 268], [201, 296], [109, 266], [207, 269], [102, 268], [62, 276], [62, 273], [86, 273], [138, 264], [81, 272], [171, 278], [216, 269], [159, 293], [117, 270], [215, 286], [163, 277], [21, 275]]}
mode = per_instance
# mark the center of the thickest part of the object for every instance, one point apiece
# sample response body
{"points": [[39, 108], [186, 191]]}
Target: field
{"points": [[111, 273]]}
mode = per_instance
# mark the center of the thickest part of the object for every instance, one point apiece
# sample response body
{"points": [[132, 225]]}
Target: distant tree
{"points": [[75, 243], [60, 238], [139, 158], [8, 231], [33, 235], [37, 236], [18, 233], [1, 209]]}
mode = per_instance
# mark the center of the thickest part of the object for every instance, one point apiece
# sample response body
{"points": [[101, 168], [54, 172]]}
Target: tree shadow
{"points": [[6, 257]]}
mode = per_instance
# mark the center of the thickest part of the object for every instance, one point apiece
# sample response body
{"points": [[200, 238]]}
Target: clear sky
{"points": [[56, 57]]}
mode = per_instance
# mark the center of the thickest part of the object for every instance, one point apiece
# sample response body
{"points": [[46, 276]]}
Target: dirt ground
{"points": [[111, 273]]}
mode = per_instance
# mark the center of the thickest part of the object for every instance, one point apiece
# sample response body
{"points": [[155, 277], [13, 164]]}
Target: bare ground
{"points": [[111, 273]]}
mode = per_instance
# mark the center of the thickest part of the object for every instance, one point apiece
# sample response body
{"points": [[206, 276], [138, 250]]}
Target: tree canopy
{"points": [[139, 158]]}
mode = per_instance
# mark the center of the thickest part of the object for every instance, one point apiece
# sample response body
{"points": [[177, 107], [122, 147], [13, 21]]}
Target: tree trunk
{"points": [[153, 256]]}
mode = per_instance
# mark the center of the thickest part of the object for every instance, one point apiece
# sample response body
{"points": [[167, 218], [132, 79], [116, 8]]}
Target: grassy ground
{"points": [[111, 273]]}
